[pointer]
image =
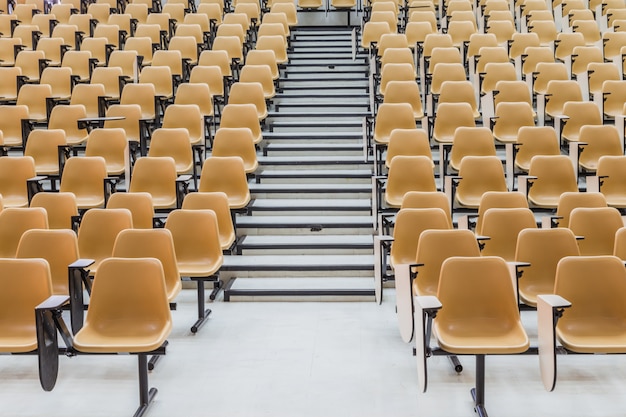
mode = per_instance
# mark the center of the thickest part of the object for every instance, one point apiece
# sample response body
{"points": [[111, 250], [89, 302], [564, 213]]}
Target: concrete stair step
{"points": [[319, 223], [312, 147], [297, 189], [298, 263], [311, 241], [310, 204], [312, 174], [313, 160]]}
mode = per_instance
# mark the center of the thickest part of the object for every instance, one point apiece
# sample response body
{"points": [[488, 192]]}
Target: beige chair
{"points": [[61, 209], [218, 203], [14, 222], [489, 324], [226, 174], [198, 251], [585, 314], [140, 206], [502, 226], [14, 173], [597, 226], [550, 176], [477, 175]]}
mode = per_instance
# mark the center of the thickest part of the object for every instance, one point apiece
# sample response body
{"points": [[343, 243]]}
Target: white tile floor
{"points": [[306, 359]]}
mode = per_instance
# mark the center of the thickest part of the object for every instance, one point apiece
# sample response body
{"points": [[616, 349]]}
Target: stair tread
{"points": [[286, 203], [309, 239], [298, 262], [305, 221]]}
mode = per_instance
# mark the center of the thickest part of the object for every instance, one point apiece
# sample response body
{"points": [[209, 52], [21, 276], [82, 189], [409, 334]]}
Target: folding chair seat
{"points": [[477, 175], [441, 73], [226, 174], [186, 116], [546, 30], [131, 122], [60, 207], [489, 54], [409, 142], [110, 144], [598, 73], [582, 56], [503, 29], [249, 93], [424, 16], [83, 21], [14, 173], [614, 96], [612, 43], [236, 142], [97, 233], [310, 4], [406, 173], [43, 146], [275, 43], [14, 222], [138, 12], [399, 250], [7, 51], [51, 48], [470, 141], [568, 201], [261, 74], [405, 92], [11, 117], [461, 30], [211, 77], [144, 47], [565, 43], [434, 40], [176, 11], [188, 49], [263, 57], [477, 41], [115, 37], [240, 19], [546, 72], [24, 12], [512, 92], [534, 140], [289, 9], [218, 203], [597, 141], [157, 176], [232, 46], [58, 247], [28, 35], [416, 32], [89, 96], [24, 283], [592, 322], [509, 118], [65, 117], [62, 12], [128, 61], [60, 81], [611, 170], [251, 10], [577, 114], [276, 17], [460, 326], [558, 93], [520, 42], [175, 143], [30, 63], [98, 49], [198, 251], [123, 21], [208, 6], [86, 177], [550, 176], [219, 58], [242, 115], [139, 323], [450, 55], [532, 56], [189, 30], [502, 226], [80, 63], [201, 19], [490, 200], [99, 11], [448, 118], [459, 92], [172, 59], [542, 249], [143, 95], [386, 16], [152, 31], [433, 248], [395, 72], [494, 73], [392, 116], [165, 21], [140, 206], [589, 29], [161, 78], [397, 56]]}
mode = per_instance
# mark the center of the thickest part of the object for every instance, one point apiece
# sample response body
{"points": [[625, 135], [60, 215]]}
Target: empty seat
{"points": [[597, 226], [14, 222]]}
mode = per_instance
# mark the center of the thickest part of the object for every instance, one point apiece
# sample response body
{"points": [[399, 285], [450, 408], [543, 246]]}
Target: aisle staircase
{"points": [[308, 231]]}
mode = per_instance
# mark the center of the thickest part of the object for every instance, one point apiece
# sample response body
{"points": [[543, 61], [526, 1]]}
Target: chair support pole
{"points": [[146, 395], [456, 363], [202, 313], [478, 393]]}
